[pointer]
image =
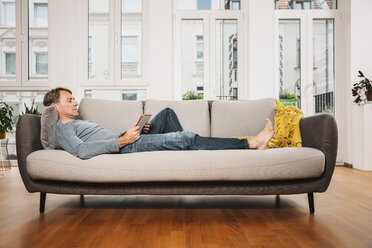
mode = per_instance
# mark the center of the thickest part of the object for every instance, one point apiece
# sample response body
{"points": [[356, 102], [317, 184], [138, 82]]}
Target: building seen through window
{"points": [[129, 39], [209, 4], [8, 40], [38, 39]]}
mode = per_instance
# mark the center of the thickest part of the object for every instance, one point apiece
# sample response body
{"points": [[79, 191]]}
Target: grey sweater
{"points": [[84, 139]]}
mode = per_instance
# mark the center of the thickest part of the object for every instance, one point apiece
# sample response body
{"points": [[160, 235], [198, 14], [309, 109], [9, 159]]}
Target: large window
{"points": [[306, 66], [115, 42], [24, 43], [208, 49]]}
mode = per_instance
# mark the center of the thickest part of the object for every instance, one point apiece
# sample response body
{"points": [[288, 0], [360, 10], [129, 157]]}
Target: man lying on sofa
{"points": [[86, 139]]}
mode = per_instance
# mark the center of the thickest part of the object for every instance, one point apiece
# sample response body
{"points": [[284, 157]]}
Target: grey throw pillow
{"points": [[48, 119]]}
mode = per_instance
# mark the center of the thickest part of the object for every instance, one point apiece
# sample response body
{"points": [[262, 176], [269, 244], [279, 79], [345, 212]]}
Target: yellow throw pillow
{"points": [[287, 127]]}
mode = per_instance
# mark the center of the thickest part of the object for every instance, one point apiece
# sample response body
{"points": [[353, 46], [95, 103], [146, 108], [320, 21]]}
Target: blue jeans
{"points": [[166, 133]]}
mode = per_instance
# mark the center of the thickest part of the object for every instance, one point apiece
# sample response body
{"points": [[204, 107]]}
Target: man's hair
{"points": [[52, 96]]}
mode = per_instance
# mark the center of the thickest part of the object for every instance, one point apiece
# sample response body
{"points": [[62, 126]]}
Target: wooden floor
{"points": [[343, 218]]}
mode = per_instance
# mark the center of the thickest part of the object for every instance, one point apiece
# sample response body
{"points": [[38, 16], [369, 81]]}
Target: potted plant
{"points": [[362, 91], [6, 119], [32, 110], [287, 98], [192, 95]]}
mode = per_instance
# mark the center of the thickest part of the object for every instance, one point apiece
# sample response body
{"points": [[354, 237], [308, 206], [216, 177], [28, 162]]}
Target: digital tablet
{"points": [[143, 120]]}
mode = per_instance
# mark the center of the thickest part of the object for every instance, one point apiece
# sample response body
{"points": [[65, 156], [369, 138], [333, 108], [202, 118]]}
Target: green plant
{"points": [[361, 89], [287, 96], [6, 117], [192, 95], [32, 110]]}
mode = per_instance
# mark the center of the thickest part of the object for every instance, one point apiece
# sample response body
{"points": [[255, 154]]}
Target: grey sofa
{"points": [[229, 172]]}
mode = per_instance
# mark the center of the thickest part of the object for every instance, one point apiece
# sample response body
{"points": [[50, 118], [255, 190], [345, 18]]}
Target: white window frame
{"points": [[209, 18], [114, 49], [23, 59], [306, 18], [306, 23]]}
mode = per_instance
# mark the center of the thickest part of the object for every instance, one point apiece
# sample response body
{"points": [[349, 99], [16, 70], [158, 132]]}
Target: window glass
{"points": [[192, 52], [226, 59], [131, 42], [98, 40], [199, 47], [38, 40], [203, 4], [290, 62], [323, 69], [208, 4], [41, 64], [129, 51], [131, 6], [8, 42], [9, 14], [10, 61], [305, 4], [129, 95], [116, 94]]}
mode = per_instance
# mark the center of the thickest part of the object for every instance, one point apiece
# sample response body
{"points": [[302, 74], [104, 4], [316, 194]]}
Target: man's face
{"points": [[67, 106]]}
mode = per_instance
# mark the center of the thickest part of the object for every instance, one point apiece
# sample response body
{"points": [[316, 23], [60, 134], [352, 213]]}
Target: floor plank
{"points": [[343, 217]]}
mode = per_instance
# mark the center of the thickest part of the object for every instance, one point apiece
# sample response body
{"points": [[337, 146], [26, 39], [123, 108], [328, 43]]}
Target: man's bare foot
{"points": [[261, 140]]}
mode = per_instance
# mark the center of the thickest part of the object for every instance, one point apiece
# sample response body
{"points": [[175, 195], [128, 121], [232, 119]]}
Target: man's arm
{"points": [[68, 141]]}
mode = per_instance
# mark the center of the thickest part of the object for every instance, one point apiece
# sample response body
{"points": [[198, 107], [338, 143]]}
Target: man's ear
{"points": [[55, 106]]}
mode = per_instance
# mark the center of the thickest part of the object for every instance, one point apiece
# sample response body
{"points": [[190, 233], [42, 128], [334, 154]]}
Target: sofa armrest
{"points": [[320, 132], [27, 141]]}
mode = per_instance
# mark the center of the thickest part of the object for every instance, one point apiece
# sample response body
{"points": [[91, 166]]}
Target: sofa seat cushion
{"points": [[158, 166]]}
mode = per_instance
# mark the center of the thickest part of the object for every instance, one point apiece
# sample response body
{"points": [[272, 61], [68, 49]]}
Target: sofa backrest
{"points": [[227, 118], [240, 118], [117, 116], [193, 115]]}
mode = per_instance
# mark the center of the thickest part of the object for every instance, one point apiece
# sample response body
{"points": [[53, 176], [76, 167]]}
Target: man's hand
{"points": [[146, 128], [131, 136]]}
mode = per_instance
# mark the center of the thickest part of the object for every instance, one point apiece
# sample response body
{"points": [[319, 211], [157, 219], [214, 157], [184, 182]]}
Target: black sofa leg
{"points": [[42, 202], [310, 197]]}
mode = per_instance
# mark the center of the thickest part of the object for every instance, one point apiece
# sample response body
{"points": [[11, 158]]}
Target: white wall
{"points": [[63, 44], [160, 49], [260, 78], [360, 59]]}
